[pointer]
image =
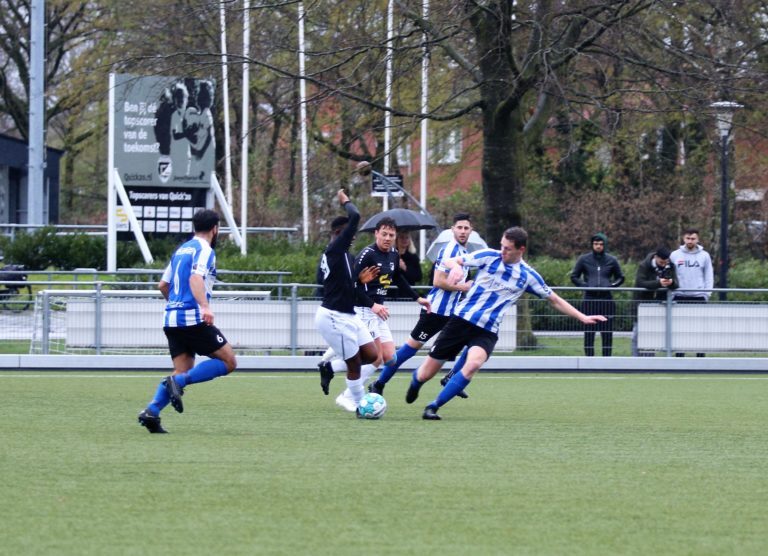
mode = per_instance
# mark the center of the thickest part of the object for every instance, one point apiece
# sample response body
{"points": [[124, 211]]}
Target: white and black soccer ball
{"points": [[372, 406]]}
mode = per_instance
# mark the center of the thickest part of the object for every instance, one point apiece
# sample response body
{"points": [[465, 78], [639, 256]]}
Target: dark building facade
{"points": [[14, 158]]}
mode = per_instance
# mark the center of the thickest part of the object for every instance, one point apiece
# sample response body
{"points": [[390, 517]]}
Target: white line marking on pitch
{"points": [[310, 375]]}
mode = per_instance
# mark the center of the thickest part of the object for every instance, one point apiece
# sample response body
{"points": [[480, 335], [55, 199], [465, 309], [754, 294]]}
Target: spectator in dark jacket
{"points": [[598, 269], [657, 275]]}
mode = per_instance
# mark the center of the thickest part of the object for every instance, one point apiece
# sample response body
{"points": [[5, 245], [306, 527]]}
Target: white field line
{"points": [[309, 375]]}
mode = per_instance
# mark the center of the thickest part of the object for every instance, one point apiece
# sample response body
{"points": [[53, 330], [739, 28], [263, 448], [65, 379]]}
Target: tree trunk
{"points": [[503, 174]]}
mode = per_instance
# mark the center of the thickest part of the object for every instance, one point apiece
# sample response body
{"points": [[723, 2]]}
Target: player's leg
{"points": [[403, 354], [424, 373], [358, 348], [476, 357], [457, 366], [221, 362], [366, 320], [183, 358], [332, 326], [427, 326], [480, 345], [451, 341], [209, 341], [388, 356]]}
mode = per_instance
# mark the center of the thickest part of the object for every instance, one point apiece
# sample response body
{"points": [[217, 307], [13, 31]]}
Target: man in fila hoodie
{"points": [[694, 271]]}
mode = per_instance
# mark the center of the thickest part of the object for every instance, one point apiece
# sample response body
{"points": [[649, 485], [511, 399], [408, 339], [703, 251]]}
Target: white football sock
{"points": [[339, 366], [355, 389], [366, 371], [328, 355]]}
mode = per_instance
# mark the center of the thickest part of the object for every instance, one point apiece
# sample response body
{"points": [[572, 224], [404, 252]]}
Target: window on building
{"points": [[403, 154], [446, 147]]}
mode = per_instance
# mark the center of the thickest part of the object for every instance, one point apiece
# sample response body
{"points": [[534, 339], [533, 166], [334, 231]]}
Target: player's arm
{"points": [[368, 274], [197, 287], [344, 241], [164, 285], [164, 288], [362, 300], [440, 280], [561, 305], [455, 266]]}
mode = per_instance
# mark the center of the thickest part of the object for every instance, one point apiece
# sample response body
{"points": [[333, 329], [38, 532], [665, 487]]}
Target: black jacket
{"points": [[339, 280], [594, 270], [648, 275], [389, 273]]}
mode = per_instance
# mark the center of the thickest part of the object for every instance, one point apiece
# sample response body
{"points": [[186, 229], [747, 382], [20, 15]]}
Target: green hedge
{"points": [[44, 249]]}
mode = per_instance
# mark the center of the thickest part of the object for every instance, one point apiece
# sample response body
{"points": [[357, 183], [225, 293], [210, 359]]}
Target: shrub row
{"points": [[44, 249]]}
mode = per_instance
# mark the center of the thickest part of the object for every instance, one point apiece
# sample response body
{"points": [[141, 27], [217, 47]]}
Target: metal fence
{"points": [[278, 319]]}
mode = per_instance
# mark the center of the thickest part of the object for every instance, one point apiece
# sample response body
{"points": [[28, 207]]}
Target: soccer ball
{"points": [[372, 406]]}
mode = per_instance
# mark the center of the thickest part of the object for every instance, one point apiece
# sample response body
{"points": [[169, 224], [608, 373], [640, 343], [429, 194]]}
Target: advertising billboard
{"points": [[164, 131]]}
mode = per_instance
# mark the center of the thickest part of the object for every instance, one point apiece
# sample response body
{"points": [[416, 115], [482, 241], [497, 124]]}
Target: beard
{"points": [[214, 240]]}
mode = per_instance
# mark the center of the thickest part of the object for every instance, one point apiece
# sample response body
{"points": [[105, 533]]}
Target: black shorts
{"points": [[200, 339], [459, 333], [429, 324]]}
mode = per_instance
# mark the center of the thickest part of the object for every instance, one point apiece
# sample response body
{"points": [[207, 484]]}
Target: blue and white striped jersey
{"points": [[496, 287], [193, 257], [444, 302]]}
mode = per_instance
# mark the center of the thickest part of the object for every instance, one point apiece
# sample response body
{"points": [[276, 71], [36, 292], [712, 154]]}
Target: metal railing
{"points": [[260, 321]]}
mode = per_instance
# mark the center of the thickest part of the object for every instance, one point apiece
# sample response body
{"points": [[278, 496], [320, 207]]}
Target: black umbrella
{"points": [[407, 220]]}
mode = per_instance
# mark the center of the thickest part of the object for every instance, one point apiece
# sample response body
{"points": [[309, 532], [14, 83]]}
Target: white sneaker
{"points": [[345, 403]]}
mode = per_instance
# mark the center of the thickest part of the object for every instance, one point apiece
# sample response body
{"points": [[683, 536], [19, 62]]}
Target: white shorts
{"points": [[379, 328], [344, 333]]}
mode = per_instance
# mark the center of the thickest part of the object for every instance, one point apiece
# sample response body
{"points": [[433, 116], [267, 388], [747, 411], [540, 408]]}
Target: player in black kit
{"points": [[336, 319], [383, 255]]}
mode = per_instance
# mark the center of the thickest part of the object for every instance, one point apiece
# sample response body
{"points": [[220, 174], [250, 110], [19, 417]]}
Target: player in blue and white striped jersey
{"points": [[502, 278], [188, 324], [443, 297]]}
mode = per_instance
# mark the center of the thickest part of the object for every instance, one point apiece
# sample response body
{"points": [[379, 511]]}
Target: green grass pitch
{"points": [[265, 464]]}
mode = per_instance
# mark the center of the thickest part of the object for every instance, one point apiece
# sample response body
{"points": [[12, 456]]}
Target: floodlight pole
{"points": [[724, 111]]}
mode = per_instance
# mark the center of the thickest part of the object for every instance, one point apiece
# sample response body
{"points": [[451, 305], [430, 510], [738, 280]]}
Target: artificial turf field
{"points": [[265, 464]]}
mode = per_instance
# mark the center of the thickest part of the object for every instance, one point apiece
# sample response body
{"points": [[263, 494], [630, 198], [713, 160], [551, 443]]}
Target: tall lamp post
{"points": [[724, 111]]}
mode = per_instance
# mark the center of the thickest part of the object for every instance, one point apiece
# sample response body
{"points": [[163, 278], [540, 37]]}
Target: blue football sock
{"points": [[459, 364], [457, 383], [160, 400], [415, 381], [404, 353], [205, 371]]}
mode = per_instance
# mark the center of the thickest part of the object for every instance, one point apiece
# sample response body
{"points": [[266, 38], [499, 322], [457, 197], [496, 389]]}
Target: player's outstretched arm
{"points": [[566, 308]]}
